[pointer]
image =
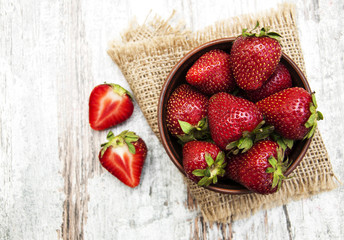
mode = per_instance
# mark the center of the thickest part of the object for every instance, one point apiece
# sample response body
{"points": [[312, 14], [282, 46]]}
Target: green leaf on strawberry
{"points": [[313, 118], [197, 132], [214, 169], [249, 138]]}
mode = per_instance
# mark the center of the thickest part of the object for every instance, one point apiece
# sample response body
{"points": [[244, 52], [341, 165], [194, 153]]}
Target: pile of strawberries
{"points": [[239, 114]]}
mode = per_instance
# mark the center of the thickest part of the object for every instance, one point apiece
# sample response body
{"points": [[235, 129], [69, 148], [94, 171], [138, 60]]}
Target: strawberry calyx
{"points": [[313, 118], [194, 132], [263, 32], [284, 143], [249, 138], [119, 90], [124, 138], [278, 167], [213, 170]]}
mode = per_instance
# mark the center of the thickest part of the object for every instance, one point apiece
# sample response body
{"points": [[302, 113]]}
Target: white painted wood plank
{"points": [[31, 185]]}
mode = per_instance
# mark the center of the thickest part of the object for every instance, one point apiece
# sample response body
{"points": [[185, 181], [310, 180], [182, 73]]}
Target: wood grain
{"points": [[52, 53]]}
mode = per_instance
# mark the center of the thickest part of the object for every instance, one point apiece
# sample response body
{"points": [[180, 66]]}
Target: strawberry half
{"points": [[186, 114], [212, 73], [292, 112], [278, 81], [254, 57], [260, 169], [123, 156], [203, 162], [109, 105]]}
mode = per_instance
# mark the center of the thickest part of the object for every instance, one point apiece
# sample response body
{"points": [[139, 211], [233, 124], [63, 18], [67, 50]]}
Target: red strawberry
{"points": [[109, 105], [233, 121], [254, 58], [212, 73], [278, 81], [260, 169], [186, 113], [203, 162], [123, 156], [292, 112]]}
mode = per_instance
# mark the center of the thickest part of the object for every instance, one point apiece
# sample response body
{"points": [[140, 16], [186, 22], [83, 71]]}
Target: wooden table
{"points": [[51, 183]]}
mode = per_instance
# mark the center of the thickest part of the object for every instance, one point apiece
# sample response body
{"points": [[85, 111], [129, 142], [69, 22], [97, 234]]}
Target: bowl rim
{"points": [[160, 113]]}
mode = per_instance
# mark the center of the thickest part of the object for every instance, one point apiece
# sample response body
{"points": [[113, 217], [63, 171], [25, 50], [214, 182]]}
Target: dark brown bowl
{"points": [[177, 77]]}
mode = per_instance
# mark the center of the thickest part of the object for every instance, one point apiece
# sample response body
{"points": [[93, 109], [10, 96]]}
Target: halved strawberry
{"points": [[123, 156], [109, 105]]}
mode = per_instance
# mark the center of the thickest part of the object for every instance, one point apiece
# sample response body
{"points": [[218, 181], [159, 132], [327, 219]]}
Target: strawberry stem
{"points": [[263, 32], [249, 138], [120, 90], [278, 167], [313, 118], [197, 132], [125, 137], [213, 170]]}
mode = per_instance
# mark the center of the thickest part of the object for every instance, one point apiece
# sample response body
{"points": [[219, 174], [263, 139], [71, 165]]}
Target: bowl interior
{"points": [[177, 77]]}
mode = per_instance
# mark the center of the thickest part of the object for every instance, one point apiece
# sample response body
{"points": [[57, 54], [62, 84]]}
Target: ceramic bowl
{"points": [[177, 77]]}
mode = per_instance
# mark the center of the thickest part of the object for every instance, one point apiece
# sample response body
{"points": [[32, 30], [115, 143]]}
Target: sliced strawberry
{"points": [[123, 156], [109, 105]]}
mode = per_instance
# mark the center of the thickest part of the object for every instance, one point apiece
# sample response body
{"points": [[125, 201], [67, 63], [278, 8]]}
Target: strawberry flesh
{"points": [[109, 105], [125, 165]]}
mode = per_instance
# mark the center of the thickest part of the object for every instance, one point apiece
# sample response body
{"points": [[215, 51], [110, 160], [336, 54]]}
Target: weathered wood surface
{"points": [[51, 184]]}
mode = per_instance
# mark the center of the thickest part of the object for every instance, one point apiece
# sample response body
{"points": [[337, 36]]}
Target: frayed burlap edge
{"points": [[146, 55]]}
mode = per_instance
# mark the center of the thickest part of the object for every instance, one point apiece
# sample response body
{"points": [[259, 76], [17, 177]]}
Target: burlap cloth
{"points": [[146, 55]]}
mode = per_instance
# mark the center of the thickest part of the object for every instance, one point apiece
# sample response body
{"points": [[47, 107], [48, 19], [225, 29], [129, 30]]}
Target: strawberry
{"points": [[186, 113], [278, 81], [260, 169], [292, 112], [203, 162], [254, 57], [212, 73], [234, 122], [123, 156], [109, 105]]}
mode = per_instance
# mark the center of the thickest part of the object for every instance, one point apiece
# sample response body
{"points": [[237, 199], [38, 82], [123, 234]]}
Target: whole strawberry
{"points": [[254, 57], [292, 112], [186, 113], [123, 156], [232, 120], [203, 162], [109, 105], [278, 81], [212, 73], [260, 169]]}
